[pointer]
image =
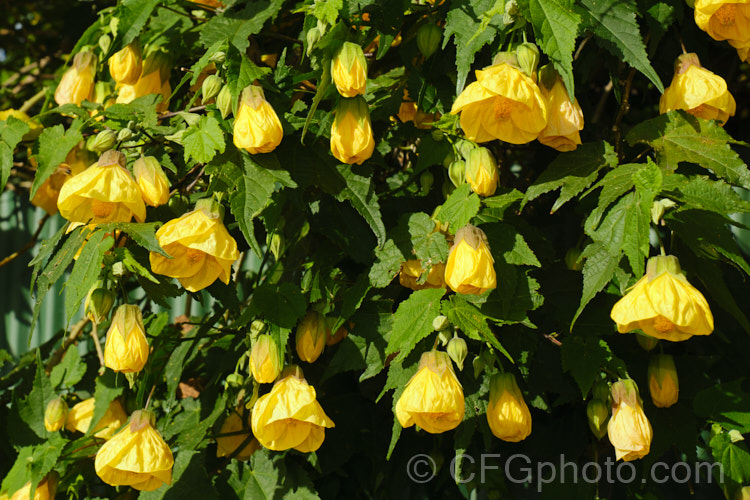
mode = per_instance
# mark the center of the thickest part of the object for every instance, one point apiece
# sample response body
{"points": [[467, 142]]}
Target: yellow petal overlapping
{"points": [[265, 364], [351, 132], [257, 127], [152, 181], [663, 383], [481, 171], [310, 338], [564, 118], [125, 66], [470, 267], [507, 413], [77, 83], [725, 20], [126, 349], [629, 430], [349, 70], [237, 434], [79, 418]]}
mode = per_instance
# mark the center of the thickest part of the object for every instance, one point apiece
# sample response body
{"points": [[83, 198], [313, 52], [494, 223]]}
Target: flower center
{"points": [[102, 209], [663, 325], [726, 14], [503, 107], [697, 111], [194, 255]]}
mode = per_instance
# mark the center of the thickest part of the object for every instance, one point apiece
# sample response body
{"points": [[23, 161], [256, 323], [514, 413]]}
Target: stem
{"points": [[624, 106], [32, 100], [148, 400], [98, 345], [28, 245], [661, 243]]}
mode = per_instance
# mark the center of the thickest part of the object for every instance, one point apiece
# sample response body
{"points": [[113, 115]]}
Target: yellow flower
{"points": [[265, 364], [79, 418], [125, 66], [126, 349], [433, 398], [77, 83], [289, 416], [351, 132], [507, 413], [743, 494], [629, 430], [481, 171], [257, 127], [154, 79], [311, 336], [564, 118], [698, 91], [137, 456], [341, 333], [470, 267], [55, 414], [237, 433], [725, 20], [502, 104], [45, 490], [151, 180], [35, 128], [663, 304], [412, 269], [201, 248], [662, 381], [349, 70], [105, 192]]}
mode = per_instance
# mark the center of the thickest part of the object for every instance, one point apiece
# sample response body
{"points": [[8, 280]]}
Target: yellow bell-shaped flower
{"points": [[507, 413], [629, 430], [79, 418], [125, 66], [502, 104], [201, 248], [564, 117], [45, 490], [433, 398], [481, 171], [470, 267], [55, 414], [137, 456], [151, 180], [77, 160], [311, 335], [257, 127], [265, 364], [663, 304], [105, 192], [233, 434], [351, 132], [290, 416], [663, 383], [412, 269], [698, 91], [77, 83], [725, 20], [349, 70], [154, 79], [126, 349]]}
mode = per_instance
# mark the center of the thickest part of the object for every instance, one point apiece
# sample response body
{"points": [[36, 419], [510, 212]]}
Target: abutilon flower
{"points": [[77, 83], [201, 248], [481, 171], [125, 66], [412, 269], [137, 456], [470, 267], [564, 117], [725, 20], [256, 127], [663, 304], [433, 399], [79, 418], [237, 433], [349, 70], [290, 416], [154, 79], [151, 180], [663, 383], [45, 490], [351, 132], [310, 339], [126, 349], [265, 364], [629, 430], [507, 414]]}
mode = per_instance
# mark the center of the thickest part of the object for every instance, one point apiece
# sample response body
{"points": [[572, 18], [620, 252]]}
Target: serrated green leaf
{"points": [[45, 457], [585, 357], [328, 11], [19, 474], [51, 148], [505, 240], [470, 320], [430, 246], [387, 264], [86, 271], [734, 457], [70, 370], [132, 15], [360, 192], [703, 193], [238, 28], [263, 478], [143, 233], [31, 408], [281, 304], [12, 131], [242, 72], [598, 270], [203, 140], [616, 183], [413, 321], [105, 391], [460, 207]]}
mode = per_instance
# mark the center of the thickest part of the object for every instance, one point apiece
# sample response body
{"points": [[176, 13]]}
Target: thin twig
{"points": [[175, 113], [28, 245], [580, 47], [98, 345], [624, 107], [75, 332]]}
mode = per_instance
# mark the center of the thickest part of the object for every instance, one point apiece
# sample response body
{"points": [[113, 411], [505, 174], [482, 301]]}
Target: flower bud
{"points": [[77, 83], [99, 302], [312, 37], [265, 364], [481, 172], [257, 128], [528, 58], [457, 351], [125, 66], [224, 101], [428, 39], [659, 207], [105, 41], [646, 341], [126, 349], [351, 132], [662, 380], [507, 413], [311, 336], [152, 181], [445, 337], [218, 57], [478, 364], [440, 323], [470, 267], [457, 172], [573, 259], [275, 244], [349, 70], [211, 87], [629, 430], [257, 327], [55, 414], [235, 380], [426, 180], [124, 134], [601, 391], [597, 412], [103, 141]]}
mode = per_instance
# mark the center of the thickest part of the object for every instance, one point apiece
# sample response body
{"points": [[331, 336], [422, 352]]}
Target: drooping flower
{"points": [[290, 416], [412, 269], [154, 79], [265, 364], [77, 83], [564, 117], [201, 248], [45, 490], [236, 433], [151, 180], [351, 132], [663, 383], [481, 171], [433, 399], [257, 127], [79, 418], [125, 66], [629, 430], [470, 267], [310, 338], [507, 413], [126, 349], [663, 304], [725, 20], [349, 70]]}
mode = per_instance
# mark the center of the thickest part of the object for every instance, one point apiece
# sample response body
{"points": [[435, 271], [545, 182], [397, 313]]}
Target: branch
{"points": [[28, 245]]}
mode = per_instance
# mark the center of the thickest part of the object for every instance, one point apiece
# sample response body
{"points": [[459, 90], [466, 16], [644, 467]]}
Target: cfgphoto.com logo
{"points": [[519, 468]]}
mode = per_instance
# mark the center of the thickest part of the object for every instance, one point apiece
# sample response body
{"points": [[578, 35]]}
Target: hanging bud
{"points": [[257, 128], [125, 66], [275, 244], [528, 58], [77, 83], [124, 135], [311, 336], [99, 302], [55, 414], [597, 412], [103, 141], [218, 57], [152, 181], [126, 349], [265, 364], [426, 180], [351, 132], [445, 337], [440, 323], [457, 351], [478, 364], [601, 391], [257, 327], [573, 259], [428, 39], [349, 70], [212, 85], [481, 172], [235, 380], [224, 101], [662, 381], [457, 172]]}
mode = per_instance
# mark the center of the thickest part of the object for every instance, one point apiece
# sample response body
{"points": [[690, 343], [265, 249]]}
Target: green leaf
{"points": [[251, 195], [555, 28], [429, 244], [51, 148], [264, 478], [86, 271], [238, 28], [19, 474], [572, 172], [143, 233], [203, 140], [733, 456], [614, 23], [584, 357], [132, 15], [360, 192], [724, 403], [703, 193], [45, 457], [281, 304], [680, 137], [598, 270], [413, 321], [505, 240], [70, 370], [328, 11], [105, 391], [31, 408], [387, 264], [616, 183], [12, 131], [243, 74], [460, 207]]}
